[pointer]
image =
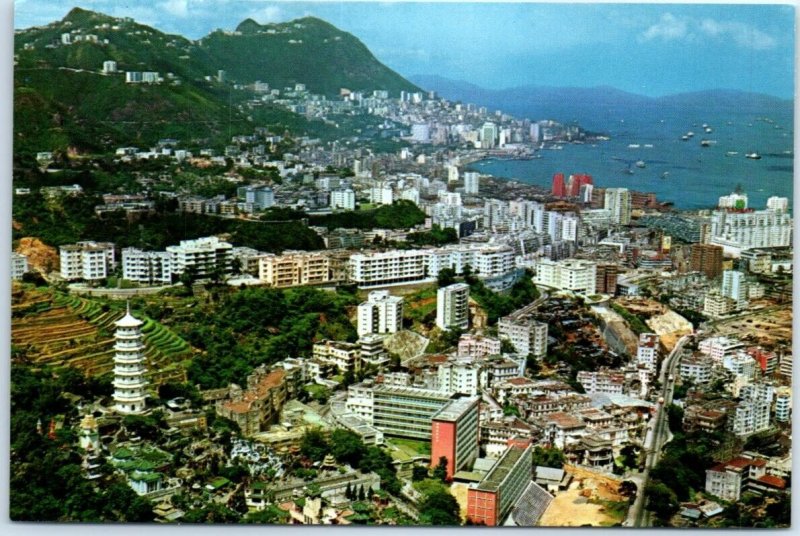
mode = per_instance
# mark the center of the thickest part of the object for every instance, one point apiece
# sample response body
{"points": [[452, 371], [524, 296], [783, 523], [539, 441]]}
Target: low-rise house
{"points": [[252, 409], [729, 479]]}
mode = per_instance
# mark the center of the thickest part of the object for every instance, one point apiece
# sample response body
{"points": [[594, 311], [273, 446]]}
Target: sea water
{"points": [[681, 172]]}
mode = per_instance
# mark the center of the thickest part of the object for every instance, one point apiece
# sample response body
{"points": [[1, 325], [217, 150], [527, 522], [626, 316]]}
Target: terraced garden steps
{"points": [[63, 330]]}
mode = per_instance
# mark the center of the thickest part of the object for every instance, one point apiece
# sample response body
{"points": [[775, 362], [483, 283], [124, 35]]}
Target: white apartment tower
{"points": [[737, 231], [19, 265], [577, 275], [89, 261], [778, 204], [148, 267], [618, 202], [471, 182], [129, 370], [783, 404], [202, 256], [381, 313], [344, 199], [452, 306], [527, 336], [734, 287], [647, 351]]}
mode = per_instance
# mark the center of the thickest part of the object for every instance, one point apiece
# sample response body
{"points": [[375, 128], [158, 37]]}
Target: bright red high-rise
{"points": [[559, 189]]}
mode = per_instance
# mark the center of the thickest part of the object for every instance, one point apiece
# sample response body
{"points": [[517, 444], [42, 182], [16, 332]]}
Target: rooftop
{"points": [[564, 420], [502, 468], [410, 391], [259, 392], [455, 409]]}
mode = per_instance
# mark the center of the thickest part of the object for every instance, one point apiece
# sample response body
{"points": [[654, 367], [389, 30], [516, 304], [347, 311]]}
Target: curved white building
{"points": [[129, 370]]}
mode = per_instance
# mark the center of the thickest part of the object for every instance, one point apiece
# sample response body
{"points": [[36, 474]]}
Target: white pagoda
{"points": [[129, 382]]}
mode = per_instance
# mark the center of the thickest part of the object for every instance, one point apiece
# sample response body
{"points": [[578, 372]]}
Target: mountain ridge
{"points": [[63, 101], [435, 82]]}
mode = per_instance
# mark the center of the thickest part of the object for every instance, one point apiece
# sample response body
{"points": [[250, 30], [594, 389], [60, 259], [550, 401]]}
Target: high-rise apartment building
{"points": [[452, 307], [471, 182], [490, 501], [707, 258], [202, 257], [89, 261], [618, 202], [454, 434], [381, 313]]}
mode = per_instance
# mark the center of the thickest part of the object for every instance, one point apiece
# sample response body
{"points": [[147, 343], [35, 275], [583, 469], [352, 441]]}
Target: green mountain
{"points": [[307, 51], [63, 101]]}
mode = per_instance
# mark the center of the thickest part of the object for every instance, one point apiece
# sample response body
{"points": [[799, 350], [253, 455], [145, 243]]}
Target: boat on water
{"points": [[665, 175], [640, 163], [690, 133], [753, 156], [684, 138], [633, 146], [731, 153], [709, 130], [648, 145], [705, 143]]}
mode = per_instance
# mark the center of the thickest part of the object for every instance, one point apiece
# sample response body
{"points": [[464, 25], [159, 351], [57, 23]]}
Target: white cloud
{"points": [[672, 28], [178, 8], [669, 28], [742, 34], [266, 14]]}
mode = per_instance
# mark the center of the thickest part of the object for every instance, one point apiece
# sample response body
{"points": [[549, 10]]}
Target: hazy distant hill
{"points": [[568, 103], [62, 100]]}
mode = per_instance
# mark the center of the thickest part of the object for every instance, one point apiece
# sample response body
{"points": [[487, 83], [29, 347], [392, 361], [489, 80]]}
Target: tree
{"points": [[314, 445], [533, 365], [347, 447], [661, 500], [548, 457], [439, 507], [507, 347], [628, 489], [675, 417], [446, 277], [361, 494], [348, 492], [630, 456], [440, 471], [419, 473], [510, 409]]}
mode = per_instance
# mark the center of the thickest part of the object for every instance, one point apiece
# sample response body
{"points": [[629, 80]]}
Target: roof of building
{"points": [[259, 392], [514, 423], [455, 409], [520, 381], [531, 505], [502, 468], [564, 420], [773, 481], [483, 465], [548, 473], [410, 391], [128, 321]]}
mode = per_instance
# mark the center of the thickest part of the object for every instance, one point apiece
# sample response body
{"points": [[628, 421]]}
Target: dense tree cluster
{"points": [[258, 326], [46, 479], [73, 219], [401, 214], [496, 304], [347, 447], [548, 457]]}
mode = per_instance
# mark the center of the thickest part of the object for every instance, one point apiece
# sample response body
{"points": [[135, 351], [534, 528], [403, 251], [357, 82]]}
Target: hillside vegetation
{"points": [[62, 100]]}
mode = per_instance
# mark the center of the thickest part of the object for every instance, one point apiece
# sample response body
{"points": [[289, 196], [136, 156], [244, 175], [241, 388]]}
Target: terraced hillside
{"points": [[52, 329]]}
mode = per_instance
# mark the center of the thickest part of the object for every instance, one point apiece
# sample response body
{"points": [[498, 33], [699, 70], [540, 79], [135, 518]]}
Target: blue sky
{"points": [[651, 49]]}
